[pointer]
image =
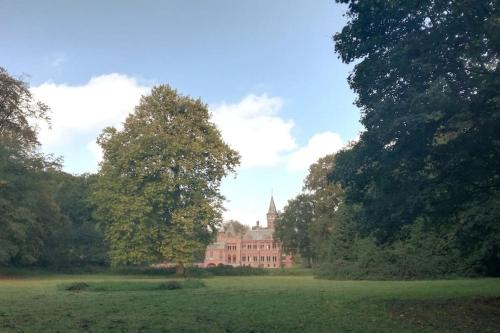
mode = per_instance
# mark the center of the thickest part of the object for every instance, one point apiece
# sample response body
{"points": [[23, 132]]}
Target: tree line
{"points": [[418, 195], [155, 198]]}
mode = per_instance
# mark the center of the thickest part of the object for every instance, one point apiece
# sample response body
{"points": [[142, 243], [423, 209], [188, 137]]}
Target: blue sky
{"points": [[267, 69]]}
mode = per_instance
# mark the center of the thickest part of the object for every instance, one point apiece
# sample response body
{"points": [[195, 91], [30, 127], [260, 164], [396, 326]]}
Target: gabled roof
{"points": [[258, 234]]}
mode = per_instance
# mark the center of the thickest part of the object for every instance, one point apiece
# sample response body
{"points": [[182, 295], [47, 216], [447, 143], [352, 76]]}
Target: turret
{"points": [[272, 214]]}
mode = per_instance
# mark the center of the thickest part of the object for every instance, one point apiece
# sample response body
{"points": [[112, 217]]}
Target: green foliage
{"points": [[170, 285], [292, 227], [77, 286], [326, 197], [422, 253], [238, 228], [29, 214], [79, 242], [428, 83], [157, 193], [305, 226], [45, 217], [18, 109], [113, 286]]}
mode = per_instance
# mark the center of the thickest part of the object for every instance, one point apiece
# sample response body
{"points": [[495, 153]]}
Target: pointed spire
{"points": [[272, 207]]}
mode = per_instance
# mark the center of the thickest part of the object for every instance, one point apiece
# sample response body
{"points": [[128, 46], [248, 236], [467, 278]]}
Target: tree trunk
{"points": [[180, 270]]}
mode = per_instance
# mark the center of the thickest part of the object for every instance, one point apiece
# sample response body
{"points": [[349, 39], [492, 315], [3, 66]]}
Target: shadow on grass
{"points": [[111, 286], [455, 315]]}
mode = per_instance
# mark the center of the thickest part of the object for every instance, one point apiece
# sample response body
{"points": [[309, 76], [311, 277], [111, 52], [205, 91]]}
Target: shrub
{"points": [[170, 285], [77, 286]]}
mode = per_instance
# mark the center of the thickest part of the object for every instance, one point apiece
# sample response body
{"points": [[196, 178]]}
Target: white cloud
{"points": [[253, 127], [58, 60], [319, 145], [105, 100]]}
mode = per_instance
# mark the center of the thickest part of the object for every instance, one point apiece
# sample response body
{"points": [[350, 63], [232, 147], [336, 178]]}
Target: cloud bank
{"points": [[104, 100], [253, 125], [254, 128], [319, 145]]}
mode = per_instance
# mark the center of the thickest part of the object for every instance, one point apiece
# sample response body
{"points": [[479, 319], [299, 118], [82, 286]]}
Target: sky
{"points": [[266, 69]]}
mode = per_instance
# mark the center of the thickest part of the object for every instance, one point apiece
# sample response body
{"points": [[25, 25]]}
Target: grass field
{"points": [[246, 304]]}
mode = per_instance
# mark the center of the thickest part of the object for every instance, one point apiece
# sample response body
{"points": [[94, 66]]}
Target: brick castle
{"points": [[254, 247]]}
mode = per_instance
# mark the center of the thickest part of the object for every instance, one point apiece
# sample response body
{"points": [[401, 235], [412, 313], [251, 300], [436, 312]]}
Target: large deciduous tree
{"points": [[428, 85], [29, 214], [293, 228], [158, 187], [326, 197], [17, 109], [307, 221]]}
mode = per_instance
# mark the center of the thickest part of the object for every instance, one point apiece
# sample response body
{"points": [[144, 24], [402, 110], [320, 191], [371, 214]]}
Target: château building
{"points": [[254, 247]]}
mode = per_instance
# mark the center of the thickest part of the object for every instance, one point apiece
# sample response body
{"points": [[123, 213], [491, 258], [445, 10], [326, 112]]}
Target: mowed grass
{"points": [[247, 304]]}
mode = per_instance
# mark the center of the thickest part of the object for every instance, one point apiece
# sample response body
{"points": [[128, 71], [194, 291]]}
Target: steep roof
{"points": [[258, 234], [272, 207]]}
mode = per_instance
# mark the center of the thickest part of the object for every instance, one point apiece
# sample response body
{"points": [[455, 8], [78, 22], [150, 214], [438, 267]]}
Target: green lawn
{"points": [[247, 304]]}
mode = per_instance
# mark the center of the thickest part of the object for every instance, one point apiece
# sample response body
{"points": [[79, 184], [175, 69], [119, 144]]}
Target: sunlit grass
{"points": [[238, 304]]}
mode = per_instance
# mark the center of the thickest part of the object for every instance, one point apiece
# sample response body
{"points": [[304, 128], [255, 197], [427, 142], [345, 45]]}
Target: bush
{"points": [[421, 254], [170, 285], [223, 270], [77, 286]]}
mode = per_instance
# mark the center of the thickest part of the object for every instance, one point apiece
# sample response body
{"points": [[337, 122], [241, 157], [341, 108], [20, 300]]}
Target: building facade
{"points": [[255, 247]]}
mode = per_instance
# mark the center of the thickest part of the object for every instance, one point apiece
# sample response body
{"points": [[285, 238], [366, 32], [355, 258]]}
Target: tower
{"points": [[272, 214]]}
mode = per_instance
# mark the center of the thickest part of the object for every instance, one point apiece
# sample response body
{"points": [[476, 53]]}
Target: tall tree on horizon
{"points": [[427, 77], [157, 191], [29, 214]]}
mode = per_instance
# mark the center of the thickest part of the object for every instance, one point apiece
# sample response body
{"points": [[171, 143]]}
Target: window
{"points": [[228, 258], [262, 258], [255, 246], [234, 258], [262, 246], [268, 246], [243, 246], [244, 258], [255, 258]]}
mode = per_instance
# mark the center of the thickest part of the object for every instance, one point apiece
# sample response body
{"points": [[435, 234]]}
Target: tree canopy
{"points": [[45, 218], [428, 84], [18, 108], [157, 191], [306, 224]]}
